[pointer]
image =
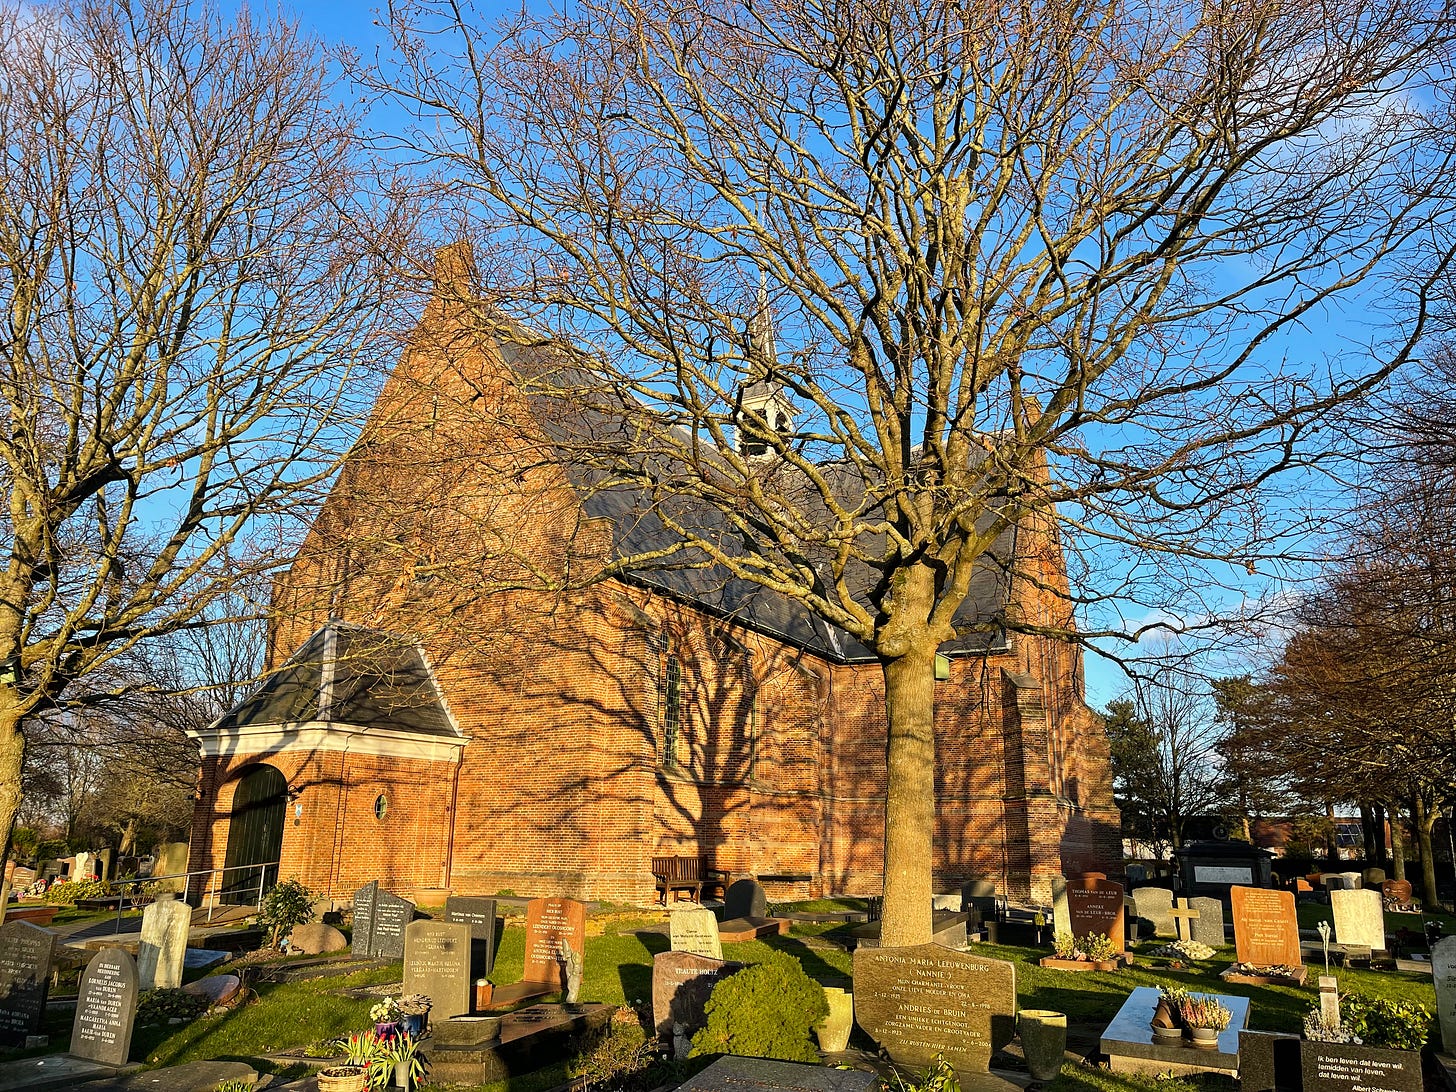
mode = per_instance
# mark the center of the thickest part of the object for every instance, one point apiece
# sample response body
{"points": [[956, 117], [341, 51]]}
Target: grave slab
{"points": [[528, 1039], [51, 1071], [730, 1074], [105, 1008], [1359, 917], [741, 930], [163, 945], [437, 964], [1268, 1062], [947, 929], [1129, 1046], [480, 915]]}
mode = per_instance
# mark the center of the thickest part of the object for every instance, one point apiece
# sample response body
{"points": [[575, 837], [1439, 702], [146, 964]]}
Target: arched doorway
{"points": [[255, 833]]}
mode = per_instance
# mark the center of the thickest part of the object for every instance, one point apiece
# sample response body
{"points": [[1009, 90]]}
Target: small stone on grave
{"points": [[437, 964], [216, 989], [106, 1008], [925, 1000], [163, 946], [26, 952], [316, 938], [695, 930]]}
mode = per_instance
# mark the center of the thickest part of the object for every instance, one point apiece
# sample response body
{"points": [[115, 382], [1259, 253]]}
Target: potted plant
{"points": [[1167, 1019], [414, 1012], [400, 1058], [386, 1017], [354, 1074], [1370, 1031], [1095, 951], [1204, 1017]]}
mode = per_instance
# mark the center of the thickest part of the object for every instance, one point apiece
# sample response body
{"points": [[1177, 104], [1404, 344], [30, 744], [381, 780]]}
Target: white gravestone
{"points": [[696, 931], [1359, 918], [163, 944]]}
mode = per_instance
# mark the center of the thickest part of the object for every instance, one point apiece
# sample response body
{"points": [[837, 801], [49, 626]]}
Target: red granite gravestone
{"points": [[1266, 930], [1095, 905]]}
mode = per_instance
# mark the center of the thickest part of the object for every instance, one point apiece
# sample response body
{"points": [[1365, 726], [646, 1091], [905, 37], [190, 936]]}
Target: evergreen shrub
{"points": [[764, 1011]]}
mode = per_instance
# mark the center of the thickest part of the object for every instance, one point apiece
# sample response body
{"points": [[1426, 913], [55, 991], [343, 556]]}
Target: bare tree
{"points": [[1027, 266], [190, 272]]}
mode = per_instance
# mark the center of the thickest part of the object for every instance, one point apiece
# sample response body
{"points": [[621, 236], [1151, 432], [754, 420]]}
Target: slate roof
{"points": [[347, 674], [639, 529]]}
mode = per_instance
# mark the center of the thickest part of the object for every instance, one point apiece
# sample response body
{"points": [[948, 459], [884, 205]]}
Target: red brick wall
{"points": [[446, 524]]}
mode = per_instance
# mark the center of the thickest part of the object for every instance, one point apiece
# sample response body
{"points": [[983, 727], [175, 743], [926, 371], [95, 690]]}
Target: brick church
{"points": [[451, 706]]}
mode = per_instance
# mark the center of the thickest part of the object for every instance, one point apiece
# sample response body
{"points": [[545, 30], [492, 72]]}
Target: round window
{"points": [[381, 806]]}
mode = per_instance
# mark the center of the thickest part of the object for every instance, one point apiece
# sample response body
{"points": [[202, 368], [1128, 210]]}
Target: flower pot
{"points": [[833, 1031], [1204, 1038], [386, 1029], [343, 1078], [413, 1023], [401, 1075], [484, 991], [1167, 1036], [1043, 1041]]}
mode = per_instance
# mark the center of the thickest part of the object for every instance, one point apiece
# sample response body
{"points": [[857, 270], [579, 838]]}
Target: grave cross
{"points": [[1183, 916]]}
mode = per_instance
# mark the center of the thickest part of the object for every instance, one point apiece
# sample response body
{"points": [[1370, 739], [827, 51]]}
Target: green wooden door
{"points": [[255, 833]]}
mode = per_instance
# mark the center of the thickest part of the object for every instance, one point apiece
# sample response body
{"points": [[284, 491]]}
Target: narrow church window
{"points": [[671, 711]]}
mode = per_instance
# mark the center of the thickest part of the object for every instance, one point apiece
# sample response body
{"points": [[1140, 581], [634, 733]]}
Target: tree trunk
{"points": [[1383, 855], [1397, 843], [1424, 821], [12, 761], [909, 797]]}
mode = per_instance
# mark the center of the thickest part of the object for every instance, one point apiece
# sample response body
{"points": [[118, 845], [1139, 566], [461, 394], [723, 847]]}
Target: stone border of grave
{"points": [[1255, 978], [1057, 964]]}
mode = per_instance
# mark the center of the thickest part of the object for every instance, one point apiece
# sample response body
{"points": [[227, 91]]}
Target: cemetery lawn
{"points": [[619, 969]]}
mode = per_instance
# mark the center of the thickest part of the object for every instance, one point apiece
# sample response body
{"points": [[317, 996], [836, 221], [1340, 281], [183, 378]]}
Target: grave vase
{"points": [[833, 1031], [1043, 1041]]}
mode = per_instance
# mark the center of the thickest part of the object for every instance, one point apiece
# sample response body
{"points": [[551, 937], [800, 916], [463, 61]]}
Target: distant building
{"points": [[435, 729]]}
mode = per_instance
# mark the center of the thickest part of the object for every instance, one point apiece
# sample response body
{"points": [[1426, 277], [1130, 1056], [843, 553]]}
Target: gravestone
{"points": [[745, 899], [731, 1074], [1443, 970], [1359, 918], [171, 861], [1095, 905], [980, 892], [1061, 917], [103, 864], [548, 923], [163, 944], [1354, 881], [1208, 925], [925, 1000], [26, 952], [1154, 905], [1266, 930], [1397, 891], [84, 867], [1373, 877], [437, 964], [1347, 1067], [105, 1008], [379, 922], [681, 983], [1184, 915], [479, 914], [1268, 1062], [316, 938], [695, 931]]}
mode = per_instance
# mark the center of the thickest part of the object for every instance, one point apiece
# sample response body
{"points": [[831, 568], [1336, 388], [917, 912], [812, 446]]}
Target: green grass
{"points": [[619, 970]]}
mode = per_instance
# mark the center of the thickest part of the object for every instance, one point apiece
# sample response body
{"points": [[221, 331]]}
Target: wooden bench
{"points": [[690, 874]]}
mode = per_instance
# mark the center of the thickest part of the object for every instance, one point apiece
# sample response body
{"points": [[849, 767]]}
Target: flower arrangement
{"points": [[1200, 1010], [1092, 948], [385, 1012], [1190, 950], [402, 1050]]}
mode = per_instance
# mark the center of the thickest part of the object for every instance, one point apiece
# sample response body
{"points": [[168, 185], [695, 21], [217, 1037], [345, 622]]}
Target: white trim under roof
{"points": [[316, 735]]}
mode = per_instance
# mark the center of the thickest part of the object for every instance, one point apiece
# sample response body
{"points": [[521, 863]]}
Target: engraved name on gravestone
{"points": [[105, 1008], [1359, 917], [548, 923], [479, 914], [163, 944], [925, 1000], [1443, 970], [695, 931], [362, 942], [681, 983], [26, 952], [1095, 905], [437, 964], [1266, 930], [1208, 925]]}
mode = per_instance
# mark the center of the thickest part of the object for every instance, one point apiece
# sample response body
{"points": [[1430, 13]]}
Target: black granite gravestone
{"points": [[106, 1008], [26, 951], [479, 914]]}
